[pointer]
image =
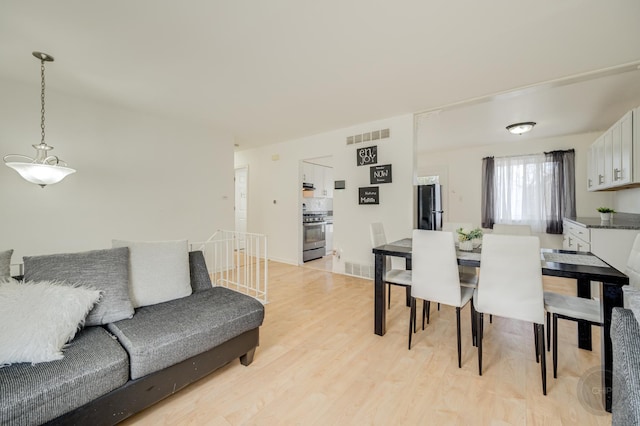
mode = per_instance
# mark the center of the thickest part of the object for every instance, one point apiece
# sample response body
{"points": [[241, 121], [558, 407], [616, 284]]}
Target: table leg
{"points": [[584, 328], [379, 315], [610, 297]]}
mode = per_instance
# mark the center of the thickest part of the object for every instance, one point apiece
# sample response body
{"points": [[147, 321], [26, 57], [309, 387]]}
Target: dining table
{"points": [[584, 267]]}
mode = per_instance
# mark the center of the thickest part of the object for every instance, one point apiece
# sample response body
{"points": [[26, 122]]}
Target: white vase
{"points": [[465, 245], [605, 217]]}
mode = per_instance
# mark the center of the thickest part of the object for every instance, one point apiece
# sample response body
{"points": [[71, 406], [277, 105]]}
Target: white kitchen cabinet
{"points": [[308, 172], [327, 174], [575, 237], [321, 177], [612, 155], [609, 244]]}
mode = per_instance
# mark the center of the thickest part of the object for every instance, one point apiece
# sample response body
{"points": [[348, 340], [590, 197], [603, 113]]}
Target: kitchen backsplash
{"points": [[317, 204]]}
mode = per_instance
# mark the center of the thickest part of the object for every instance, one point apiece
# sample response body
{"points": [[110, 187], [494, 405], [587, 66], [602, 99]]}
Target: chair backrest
{"points": [[454, 226], [510, 283], [378, 238], [377, 235], [503, 229], [633, 264], [435, 268]]}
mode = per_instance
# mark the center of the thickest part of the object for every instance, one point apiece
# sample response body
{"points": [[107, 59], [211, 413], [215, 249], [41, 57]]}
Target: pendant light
{"points": [[44, 169]]}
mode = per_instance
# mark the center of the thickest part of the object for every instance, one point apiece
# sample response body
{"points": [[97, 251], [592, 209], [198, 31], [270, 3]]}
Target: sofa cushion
{"points": [[161, 335], [200, 279], [94, 364], [631, 296], [104, 270], [625, 339], [158, 270], [5, 264], [38, 318]]}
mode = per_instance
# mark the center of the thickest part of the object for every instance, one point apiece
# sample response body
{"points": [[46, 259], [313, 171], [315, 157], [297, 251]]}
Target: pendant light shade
{"points": [[43, 169]]}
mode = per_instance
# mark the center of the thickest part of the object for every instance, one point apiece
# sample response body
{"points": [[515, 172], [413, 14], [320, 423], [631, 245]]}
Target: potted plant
{"points": [[605, 213], [469, 239]]}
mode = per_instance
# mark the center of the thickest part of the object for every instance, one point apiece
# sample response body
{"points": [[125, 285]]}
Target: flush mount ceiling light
{"points": [[520, 128], [44, 169]]}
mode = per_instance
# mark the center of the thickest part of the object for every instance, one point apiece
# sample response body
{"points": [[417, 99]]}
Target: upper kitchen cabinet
{"points": [[614, 158], [321, 177]]}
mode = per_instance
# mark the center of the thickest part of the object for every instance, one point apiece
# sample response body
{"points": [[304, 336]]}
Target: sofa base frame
{"points": [[136, 395]]}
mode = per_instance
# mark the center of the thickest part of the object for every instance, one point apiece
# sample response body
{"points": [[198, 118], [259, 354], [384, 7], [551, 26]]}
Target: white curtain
{"points": [[521, 189]]}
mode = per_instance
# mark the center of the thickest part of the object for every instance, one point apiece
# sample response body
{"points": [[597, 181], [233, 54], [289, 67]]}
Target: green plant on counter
{"points": [[470, 235], [605, 210]]}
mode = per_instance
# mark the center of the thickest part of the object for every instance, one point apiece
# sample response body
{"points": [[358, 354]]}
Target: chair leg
{"points": [[555, 346], [543, 356], [428, 310], [412, 319], [548, 331], [389, 296], [490, 318], [479, 319], [474, 333], [438, 306], [424, 311], [459, 344], [537, 343]]}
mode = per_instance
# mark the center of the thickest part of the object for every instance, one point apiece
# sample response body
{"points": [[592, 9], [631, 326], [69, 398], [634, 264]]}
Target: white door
{"points": [[240, 204]]}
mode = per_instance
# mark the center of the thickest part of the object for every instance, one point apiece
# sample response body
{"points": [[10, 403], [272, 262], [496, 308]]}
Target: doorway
{"points": [[240, 199]]}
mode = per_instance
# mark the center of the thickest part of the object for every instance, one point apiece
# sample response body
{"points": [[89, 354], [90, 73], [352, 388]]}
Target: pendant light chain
{"points": [[42, 99]]}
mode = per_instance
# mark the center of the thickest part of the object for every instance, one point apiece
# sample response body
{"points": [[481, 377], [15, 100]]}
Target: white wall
{"points": [[138, 176], [627, 201], [275, 194], [463, 168]]}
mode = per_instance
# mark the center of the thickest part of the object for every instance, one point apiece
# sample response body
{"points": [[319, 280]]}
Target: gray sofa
{"points": [[113, 371], [625, 338]]}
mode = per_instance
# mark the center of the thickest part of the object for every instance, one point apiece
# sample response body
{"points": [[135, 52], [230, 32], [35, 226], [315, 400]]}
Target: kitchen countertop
{"points": [[620, 221]]}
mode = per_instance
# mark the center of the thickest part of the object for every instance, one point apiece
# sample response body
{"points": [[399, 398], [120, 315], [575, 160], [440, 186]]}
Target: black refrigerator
{"points": [[429, 204]]}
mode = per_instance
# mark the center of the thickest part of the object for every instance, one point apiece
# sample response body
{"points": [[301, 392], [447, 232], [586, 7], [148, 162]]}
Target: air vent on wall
{"points": [[359, 270], [368, 137]]}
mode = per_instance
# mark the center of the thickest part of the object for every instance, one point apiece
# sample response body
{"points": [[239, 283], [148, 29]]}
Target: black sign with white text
{"points": [[366, 156], [369, 195], [380, 174]]}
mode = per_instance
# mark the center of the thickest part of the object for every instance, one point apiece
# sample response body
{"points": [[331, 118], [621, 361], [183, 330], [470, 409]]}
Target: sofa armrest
{"points": [[200, 279], [625, 338]]}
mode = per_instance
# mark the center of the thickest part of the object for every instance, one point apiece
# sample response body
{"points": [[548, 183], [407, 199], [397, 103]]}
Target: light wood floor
{"points": [[319, 363]]}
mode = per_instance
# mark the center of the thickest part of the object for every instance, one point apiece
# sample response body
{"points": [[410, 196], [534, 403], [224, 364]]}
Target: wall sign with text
{"points": [[366, 156], [369, 195], [380, 174]]}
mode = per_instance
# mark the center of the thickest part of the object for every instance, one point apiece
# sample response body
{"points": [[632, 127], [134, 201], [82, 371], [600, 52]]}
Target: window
{"points": [[536, 190]]}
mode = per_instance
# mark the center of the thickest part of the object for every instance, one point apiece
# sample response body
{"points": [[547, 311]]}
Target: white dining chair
{"points": [[504, 229], [510, 286], [395, 266], [436, 277], [575, 308]]}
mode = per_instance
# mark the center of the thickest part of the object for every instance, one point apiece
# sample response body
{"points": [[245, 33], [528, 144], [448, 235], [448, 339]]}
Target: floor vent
{"points": [[368, 137], [359, 270]]}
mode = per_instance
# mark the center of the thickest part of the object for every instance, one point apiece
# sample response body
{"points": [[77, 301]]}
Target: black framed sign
{"points": [[380, 174], [366, 156], [369, 195]]}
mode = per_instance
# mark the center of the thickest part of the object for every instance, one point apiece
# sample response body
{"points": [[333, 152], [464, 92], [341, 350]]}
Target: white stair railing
{"points": [[237, 260]]}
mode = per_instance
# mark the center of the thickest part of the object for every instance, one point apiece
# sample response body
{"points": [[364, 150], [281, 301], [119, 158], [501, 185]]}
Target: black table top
{"points": [[608, 274]]}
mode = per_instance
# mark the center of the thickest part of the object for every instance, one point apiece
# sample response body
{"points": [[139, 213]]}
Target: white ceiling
{"points": [[268, 71]]}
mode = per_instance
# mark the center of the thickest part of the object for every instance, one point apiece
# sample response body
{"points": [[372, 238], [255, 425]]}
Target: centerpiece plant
{"points": [[469, 239]]}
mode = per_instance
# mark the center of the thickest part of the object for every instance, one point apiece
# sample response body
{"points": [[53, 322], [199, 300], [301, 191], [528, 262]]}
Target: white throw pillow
{"points": [[158, 271], [38, 318]]}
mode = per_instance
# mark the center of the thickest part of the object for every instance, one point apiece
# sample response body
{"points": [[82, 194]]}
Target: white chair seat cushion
{"points": [[468, 279], [572, 306], [466, 295], [398, 276]]}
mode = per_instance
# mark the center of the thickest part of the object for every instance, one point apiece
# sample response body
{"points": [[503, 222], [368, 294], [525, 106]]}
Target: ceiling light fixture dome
{"points": [[520, 128], [44, 169]]}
